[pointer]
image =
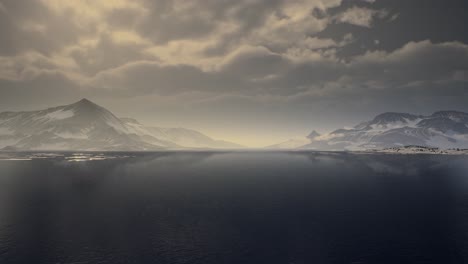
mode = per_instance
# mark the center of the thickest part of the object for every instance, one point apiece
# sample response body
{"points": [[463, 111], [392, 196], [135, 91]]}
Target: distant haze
{"points": [[252, 72]]}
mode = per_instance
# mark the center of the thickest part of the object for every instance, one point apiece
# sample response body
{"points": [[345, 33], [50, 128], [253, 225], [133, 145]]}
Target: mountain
{"points": [[443, 129], [85, 125], [296, 142], [312, 135], [176, 137], [290, 144]]}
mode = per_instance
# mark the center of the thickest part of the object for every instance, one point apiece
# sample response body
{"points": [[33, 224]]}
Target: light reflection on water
{"points": [[233, 207], [68, 156]]}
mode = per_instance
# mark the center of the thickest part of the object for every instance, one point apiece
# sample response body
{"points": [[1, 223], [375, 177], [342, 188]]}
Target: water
{"points": [[233, 207]]}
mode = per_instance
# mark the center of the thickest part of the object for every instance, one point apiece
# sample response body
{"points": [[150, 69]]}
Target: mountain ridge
{"points": [[84, 125], [442, 129]]}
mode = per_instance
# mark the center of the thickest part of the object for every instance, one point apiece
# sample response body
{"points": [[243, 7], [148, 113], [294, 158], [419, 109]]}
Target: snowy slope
{"points": [[176, 137], [83, 125], [444, 129], [79, 126], [295, 142]]}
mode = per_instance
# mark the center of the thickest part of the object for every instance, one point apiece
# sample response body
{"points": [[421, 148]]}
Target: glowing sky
{"points": [[255, 72]]}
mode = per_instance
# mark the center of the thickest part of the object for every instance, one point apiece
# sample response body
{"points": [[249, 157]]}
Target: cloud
{"points": [[253, 62], [106, 34], [360, 16], [415, 61], [146, 77], [28, 65], [135, 48], [202, 52], [43, 90], [107, 51], [257, 70]]}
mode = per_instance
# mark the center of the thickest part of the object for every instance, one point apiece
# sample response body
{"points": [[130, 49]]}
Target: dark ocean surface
{"points": [[233, 207]]}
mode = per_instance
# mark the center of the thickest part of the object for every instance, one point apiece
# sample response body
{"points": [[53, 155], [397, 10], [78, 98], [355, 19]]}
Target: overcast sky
{"points": [[256, 72]]}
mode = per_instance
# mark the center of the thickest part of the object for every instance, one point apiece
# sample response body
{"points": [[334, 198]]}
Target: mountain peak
{"points": [[313, 134], [455, 116], [85, 101], [85, 104], [390, 117]]}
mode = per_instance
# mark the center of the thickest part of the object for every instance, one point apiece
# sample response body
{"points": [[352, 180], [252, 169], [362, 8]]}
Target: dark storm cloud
{"points": [[407, 21], [173, 20], [365, 55], [257, 71]]}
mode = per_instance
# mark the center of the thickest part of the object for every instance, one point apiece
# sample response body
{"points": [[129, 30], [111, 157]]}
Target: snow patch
{"points": [[116, 124], [60, 114], [395, 125], [138, 129], [68, 135]]}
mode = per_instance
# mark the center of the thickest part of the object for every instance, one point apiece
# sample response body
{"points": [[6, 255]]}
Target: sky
{"points": [[255, 72]]}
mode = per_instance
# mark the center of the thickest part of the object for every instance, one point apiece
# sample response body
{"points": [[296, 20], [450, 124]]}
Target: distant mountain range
{"points": [[443, 129], [87, 126]]}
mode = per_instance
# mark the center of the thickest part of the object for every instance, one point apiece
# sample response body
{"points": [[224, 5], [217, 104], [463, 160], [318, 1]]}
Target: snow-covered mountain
{"points": [[85, 125], [444, 129], [176, 137], [295, 142]]}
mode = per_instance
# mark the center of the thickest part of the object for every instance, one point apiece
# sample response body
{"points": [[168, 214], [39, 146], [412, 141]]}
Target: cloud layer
{"points": [[212, 55]]}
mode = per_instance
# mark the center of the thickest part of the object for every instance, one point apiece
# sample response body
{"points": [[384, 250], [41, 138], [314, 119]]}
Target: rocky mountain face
{"points": [[444, 129], [85, 125]]}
